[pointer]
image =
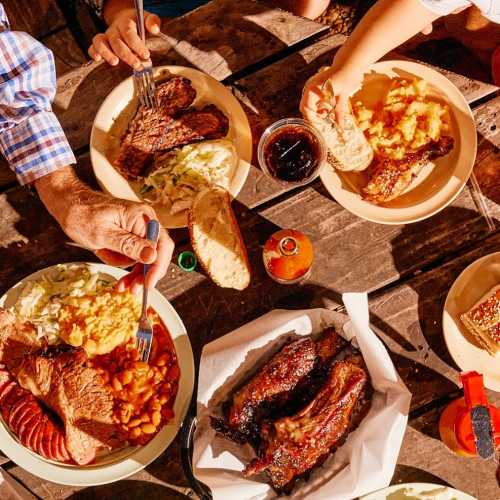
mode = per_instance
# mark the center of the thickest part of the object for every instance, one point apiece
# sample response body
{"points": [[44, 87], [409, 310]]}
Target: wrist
{"points": [[59, 190]]}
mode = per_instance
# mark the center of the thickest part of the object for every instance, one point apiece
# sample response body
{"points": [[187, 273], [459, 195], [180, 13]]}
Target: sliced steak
{"points": [[31, 438], [16, 340], [27, 421], [61, 379], [61, 445], [146, 129]]}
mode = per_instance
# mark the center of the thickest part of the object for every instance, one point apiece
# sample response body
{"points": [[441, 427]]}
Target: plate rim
{"points": [[394, 487], [244, 160], [329, 171], [141, 457], [489, 383]]}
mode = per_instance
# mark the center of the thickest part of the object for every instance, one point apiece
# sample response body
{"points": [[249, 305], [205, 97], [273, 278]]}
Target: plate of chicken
{"points": [[77, 406], [407, 147], [198, 136]]}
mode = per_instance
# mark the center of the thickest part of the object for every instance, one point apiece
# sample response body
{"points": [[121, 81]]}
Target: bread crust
{"points": [[234, 227]]}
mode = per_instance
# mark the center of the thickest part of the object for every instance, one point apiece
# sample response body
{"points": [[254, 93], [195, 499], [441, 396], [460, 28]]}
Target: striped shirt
{"points": [[31, 138]]}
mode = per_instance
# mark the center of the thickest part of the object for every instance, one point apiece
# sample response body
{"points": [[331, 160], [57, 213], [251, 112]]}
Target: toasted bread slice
{"points": [[483, 321], [347, 147], [216, 239]]}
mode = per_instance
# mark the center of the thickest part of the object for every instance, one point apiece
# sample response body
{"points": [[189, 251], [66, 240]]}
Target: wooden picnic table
{"points": [[264, 55]]}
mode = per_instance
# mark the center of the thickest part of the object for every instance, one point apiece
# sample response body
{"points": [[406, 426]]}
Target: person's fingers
{"points": [[427, 30], [114, 258], [128, 31], [94, 54], [152, 23], [124, 53], [102, 47], [131, 245], [341, 107], [164, 251], [127, 281]]}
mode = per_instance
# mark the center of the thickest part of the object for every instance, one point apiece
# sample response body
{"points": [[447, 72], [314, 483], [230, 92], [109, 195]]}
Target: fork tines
{"points": [[144, 341], [145, 86]]}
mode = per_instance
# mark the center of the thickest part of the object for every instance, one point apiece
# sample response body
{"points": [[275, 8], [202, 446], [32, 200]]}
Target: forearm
{"points": [[386, 25], [113, 8]]}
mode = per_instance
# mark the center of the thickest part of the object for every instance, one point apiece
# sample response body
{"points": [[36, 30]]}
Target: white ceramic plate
{"points": [[475, 281], [409, 491], [126, 462], [434, 188], [118, 108]]}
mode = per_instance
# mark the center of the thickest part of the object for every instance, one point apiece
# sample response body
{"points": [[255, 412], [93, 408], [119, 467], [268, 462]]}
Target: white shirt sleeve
{"points": [[489, 8]]}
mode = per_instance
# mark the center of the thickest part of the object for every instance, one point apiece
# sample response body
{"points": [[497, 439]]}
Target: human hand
{"points": [[121, 40], [328, 92], [114, 229]]}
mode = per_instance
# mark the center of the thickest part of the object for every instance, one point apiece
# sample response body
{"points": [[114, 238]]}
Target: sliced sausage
{"points": [[26, 426], [63, 450], [39, 437], [54, 445], [48, 432], [32, 435], [14, 411], [24, 410], [6, 390]]}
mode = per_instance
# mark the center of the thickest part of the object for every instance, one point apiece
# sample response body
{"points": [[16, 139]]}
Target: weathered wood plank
{"points": [[67, 53], [220, 38], [35, 17]]}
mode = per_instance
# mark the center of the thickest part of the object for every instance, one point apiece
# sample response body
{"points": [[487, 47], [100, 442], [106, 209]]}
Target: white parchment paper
{"points": [[365, 462]]}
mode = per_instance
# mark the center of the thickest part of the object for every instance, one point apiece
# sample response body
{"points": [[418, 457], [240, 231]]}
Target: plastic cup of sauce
{"points": [[291, 151]]}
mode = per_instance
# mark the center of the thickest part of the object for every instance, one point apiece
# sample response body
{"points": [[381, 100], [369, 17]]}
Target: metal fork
{"points": [[143, 78], [144, 334]]}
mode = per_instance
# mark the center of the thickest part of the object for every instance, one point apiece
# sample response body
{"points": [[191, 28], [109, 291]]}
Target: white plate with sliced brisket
{"points": [[197, 137], [77, 406]]}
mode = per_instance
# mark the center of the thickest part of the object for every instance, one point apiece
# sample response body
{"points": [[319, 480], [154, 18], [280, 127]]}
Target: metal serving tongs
{"points": [[143, 79]]}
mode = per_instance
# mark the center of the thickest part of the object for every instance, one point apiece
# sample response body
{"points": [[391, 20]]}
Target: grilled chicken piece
{"points": [[272, 385], [389, 178], [61, 379], [293, 445], [16, 340]]}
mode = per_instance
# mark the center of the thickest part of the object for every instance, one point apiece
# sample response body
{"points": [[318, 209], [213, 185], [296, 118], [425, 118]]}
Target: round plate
{"points": [[474, 282], [434, 188], [118, 109], [126, 462], [409, 491]]}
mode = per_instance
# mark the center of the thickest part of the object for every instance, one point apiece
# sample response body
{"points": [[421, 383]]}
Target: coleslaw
{"points": [[40, 301], [180, 174]]}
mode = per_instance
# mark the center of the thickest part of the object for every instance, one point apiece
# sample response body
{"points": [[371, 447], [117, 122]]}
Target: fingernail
{"points": [[155, 29], [137, 66], [115, 62], [97, 57], [147, 255]]}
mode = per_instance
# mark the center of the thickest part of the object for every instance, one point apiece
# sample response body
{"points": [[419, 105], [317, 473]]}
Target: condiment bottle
{"points": [[288, 256], [470, 426]]}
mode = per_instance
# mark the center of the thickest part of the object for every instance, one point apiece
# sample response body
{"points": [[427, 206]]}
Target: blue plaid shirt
{"points": [[31, 137]]}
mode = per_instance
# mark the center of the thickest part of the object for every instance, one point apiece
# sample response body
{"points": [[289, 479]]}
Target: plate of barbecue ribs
{"points": [[288, 405], [407, 148], [198, 136], [77, 405]]}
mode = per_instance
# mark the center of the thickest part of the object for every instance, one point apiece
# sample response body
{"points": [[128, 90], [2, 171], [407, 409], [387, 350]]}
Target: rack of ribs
{"points": [[292, 445], [389, 178], [272, 386]]}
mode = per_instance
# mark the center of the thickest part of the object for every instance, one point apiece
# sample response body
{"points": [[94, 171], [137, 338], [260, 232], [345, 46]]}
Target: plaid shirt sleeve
{"points": [[31, 137]]}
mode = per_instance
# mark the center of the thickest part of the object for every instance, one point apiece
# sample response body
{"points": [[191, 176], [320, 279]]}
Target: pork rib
{"points": [[61, 379], [389, 178], [271, 387], [293, 445]]}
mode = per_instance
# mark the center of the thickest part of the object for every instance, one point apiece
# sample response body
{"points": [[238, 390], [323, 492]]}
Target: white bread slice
{"points": [[347, 147], [216, 239]]}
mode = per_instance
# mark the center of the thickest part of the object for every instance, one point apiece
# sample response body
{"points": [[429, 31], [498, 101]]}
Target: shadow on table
{"points": [[408, 474]]}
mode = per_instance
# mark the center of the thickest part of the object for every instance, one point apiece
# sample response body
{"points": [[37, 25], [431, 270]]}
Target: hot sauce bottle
{"points": [[288, 256]]}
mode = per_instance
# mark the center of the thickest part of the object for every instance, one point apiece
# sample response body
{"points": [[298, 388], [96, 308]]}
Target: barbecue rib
{"points": [[270, 388], [77, 394], [389, 178], [16, 340], [171, 125], [293, 445]]}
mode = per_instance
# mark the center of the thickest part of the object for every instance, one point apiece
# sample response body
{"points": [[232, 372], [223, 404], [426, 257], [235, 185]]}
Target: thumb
{"points": [[152, 23], [427, 30], [132, 246]]}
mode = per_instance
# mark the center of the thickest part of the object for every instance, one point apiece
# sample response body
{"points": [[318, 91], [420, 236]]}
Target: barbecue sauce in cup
{"points": [[291, 151]]}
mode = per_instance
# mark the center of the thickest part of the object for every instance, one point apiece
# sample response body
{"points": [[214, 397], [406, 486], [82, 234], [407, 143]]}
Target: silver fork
{"points": [[144, 333], [143, 78]]}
